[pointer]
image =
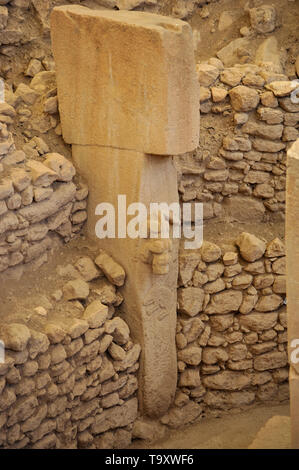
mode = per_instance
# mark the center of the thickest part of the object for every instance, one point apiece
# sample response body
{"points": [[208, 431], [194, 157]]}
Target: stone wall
{"points": [[38, 198], [69, 377], [248, 122], [232, 327]]}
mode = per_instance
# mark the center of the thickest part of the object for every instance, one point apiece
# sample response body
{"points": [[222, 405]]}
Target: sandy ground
{"points": [[228, 432]]}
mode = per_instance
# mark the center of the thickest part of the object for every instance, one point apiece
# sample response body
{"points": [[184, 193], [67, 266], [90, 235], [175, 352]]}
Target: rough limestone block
{"points": [[126, 80]]}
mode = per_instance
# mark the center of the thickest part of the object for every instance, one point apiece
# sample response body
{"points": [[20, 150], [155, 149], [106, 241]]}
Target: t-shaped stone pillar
{"points": [[128, 100], [292, 252]]}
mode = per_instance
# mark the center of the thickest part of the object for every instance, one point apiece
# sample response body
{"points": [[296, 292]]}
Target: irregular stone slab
{"points": [[190, 300], [256, 321], [227, 400], [177, 417], [227, 380], [244, 208], [268, 303], [64, 193], [244, 98], [271, 360], [225, 302], [266, 131], [112, 270], [229, 54], [268, 53], [117, 416], [134, 102], [282, 88], [251, 247], [15, 336]]}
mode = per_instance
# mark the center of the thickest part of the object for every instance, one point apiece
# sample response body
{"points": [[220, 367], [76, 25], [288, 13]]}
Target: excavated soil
{"points": [[229, 432], [21, 293]]}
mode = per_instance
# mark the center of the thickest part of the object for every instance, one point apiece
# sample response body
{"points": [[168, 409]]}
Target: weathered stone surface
{"points": [[95, 314], [250, 246], [225, 302], [41, 210], [242, 208], [177, 417], [210, 252], [244, 98], [118, 328], [282, 88], [116, 417], [190, 355], [261, 281], [263, 18], [229, 54], [227, 400], [207, 74], [190, 378], [259, 322], [190, 300], [275, 248], [221, 322], [227, 380], [266, 131], [156, 125], [15, 336], [76, 289], [63, 168], [268, 303], [279, 266], [213, 355], [187, 263], [112, 270], [270, 360], [87, 268]]}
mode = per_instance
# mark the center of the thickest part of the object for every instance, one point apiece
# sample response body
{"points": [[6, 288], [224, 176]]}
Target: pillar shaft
{"points": [[150, 299]]}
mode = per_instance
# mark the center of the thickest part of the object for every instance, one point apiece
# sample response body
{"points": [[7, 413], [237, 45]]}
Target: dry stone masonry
{"points": [[69, 377], [242, 172], [231, 328], [38, 199]]}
